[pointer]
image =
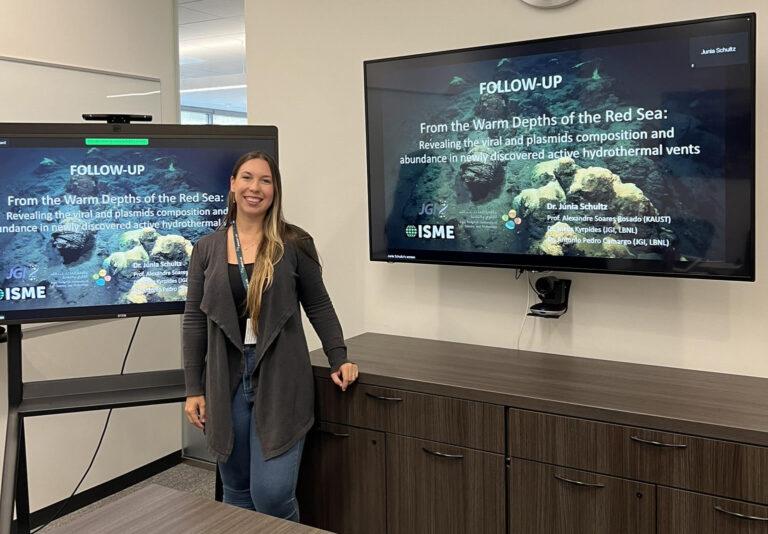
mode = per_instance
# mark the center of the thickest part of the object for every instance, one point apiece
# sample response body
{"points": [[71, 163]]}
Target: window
{"points": [[193, 115]]}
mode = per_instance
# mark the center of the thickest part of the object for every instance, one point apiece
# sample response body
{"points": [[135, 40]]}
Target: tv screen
{"points": [[629, 151], [98, 220]]}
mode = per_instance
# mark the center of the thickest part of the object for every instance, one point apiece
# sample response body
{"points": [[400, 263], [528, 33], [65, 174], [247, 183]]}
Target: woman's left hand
{"points": [[346, 374]]}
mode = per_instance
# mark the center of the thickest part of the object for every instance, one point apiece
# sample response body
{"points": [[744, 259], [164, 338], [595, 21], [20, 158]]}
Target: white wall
{"points": [[305, 75], [138, 38]]}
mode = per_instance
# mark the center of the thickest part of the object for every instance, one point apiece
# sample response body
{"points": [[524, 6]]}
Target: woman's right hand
{"points": [[195, 410]]}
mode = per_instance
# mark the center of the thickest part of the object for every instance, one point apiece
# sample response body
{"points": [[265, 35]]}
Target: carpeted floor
{"points": [[183, 477]]}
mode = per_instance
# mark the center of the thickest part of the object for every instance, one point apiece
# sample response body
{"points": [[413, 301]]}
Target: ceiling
{"points": [[212, 54]]}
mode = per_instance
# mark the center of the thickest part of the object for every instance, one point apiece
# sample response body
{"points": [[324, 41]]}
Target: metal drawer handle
{"points": [[658, 443], [578, 482], [379, 397], [741, 516], [335, 434], [444, 455]]}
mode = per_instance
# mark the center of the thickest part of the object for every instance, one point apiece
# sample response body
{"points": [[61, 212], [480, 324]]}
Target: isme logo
{"points": [[431, 231], [22, 293]]}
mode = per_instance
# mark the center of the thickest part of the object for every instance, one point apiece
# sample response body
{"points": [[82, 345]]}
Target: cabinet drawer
{"points": [[683, 512], [467, 423], [343, 468], [555, 500], [457, 493], [711, 466]]}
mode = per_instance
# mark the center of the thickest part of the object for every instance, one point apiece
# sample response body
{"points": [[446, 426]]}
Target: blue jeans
{"points": [[249, 481]]}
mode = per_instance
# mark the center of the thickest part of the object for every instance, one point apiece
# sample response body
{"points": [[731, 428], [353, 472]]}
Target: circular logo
{"points": [[410, 231], [101, 278], [2, 294], [510, 225]]}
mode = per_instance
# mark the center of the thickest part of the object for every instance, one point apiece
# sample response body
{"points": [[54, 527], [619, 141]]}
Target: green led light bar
{"points": [[115, 141]]}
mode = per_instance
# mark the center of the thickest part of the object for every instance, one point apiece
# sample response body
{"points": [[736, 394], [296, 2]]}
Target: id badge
{"points": [[250, 337]]}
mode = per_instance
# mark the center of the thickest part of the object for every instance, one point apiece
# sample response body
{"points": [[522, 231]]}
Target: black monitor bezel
{"points": [[142, 130], [744, 271]]}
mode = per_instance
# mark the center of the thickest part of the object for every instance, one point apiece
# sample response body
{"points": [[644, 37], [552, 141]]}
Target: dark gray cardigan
{"points": [[212, 347]]}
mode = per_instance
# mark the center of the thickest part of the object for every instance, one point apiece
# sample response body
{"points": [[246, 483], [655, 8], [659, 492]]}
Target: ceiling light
{"points": [[220, 88], [134, 94]]}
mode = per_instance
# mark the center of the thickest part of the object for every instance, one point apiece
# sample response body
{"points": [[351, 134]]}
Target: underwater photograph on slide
{"points": [[628, 150]]}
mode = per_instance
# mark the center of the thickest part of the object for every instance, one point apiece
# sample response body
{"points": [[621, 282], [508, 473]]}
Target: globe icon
{"points": [[410, 230]]}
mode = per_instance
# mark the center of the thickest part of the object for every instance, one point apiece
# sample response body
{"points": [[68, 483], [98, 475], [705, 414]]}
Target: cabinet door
{"points": [[342, 480], [477, 425], [434, 488], [684, 512], [545, 499], [705, 465]]}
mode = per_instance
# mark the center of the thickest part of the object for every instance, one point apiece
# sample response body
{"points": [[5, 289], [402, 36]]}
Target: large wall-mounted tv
{"points": [[98, 220], [629, 151]]}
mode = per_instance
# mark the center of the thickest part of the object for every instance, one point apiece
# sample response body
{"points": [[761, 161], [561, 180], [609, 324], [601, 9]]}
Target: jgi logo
{"points": [[431, 208], [18, 273]]}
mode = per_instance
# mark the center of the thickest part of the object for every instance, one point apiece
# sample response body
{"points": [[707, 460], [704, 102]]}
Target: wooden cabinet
{"points": [[684, 512], [711, 466], [434, 488], [342, 486], [555, 500], [444, 463], [686, 462], [470, 424], [473, 439]]}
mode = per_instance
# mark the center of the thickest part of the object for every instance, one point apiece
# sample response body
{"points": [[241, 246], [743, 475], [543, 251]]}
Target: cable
{"points": [[98, 446], [130, 344], [93, 458], [532, 286], [525, 312]]}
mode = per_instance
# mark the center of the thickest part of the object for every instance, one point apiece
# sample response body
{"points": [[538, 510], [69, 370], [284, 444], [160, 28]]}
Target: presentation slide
{"points": [[619, 150], [98, 226]]}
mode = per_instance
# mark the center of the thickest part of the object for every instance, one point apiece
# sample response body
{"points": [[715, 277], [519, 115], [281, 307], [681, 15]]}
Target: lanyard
{"points": [[238, 250]]}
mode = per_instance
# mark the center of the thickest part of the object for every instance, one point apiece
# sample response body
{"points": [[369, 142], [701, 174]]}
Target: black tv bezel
{"points": [[157, 131], [539, 263]]}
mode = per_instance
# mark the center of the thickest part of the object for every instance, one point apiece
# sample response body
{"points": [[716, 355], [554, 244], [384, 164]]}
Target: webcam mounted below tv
{"points": [[553, 293]]}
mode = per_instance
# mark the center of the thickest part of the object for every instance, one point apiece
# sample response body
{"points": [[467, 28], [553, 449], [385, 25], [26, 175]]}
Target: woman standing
{"points": [[248, 376]]}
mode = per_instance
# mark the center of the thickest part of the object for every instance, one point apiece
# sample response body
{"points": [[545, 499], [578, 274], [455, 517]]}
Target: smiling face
{"points": [[253, 188]]}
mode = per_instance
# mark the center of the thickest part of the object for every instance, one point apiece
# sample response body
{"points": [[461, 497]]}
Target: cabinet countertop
{"points": [[713, 405]]}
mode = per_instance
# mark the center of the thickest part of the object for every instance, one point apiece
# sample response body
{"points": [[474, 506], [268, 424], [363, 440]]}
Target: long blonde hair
{"points": [[271, 248]]}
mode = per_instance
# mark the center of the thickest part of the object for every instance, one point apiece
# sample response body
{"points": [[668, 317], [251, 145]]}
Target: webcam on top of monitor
{"points": [[116, 118]]}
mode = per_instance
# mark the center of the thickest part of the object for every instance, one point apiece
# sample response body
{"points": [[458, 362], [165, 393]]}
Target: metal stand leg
{"points": [[15, 484], [219, 491], [22, 484], [10, 466]]}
